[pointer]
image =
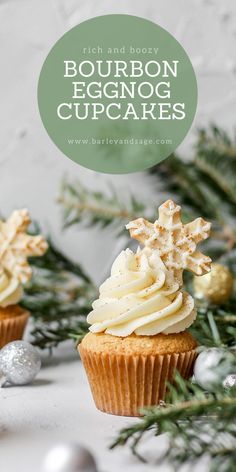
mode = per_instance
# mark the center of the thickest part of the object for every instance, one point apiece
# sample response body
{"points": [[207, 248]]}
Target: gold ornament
{"points": [[216, 287], [175, 242], [16, 246]]}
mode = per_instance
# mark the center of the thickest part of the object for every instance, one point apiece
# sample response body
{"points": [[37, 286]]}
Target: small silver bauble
{"points": [[230, 381], [69, 457], [19, 363], [212, 366]]}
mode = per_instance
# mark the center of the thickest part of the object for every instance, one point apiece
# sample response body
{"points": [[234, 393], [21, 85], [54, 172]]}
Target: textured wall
{"points": [[30, 165]]}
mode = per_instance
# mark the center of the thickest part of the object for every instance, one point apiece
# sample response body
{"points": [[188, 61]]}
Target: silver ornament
{"points": [[19, 363], [230, 381], [69, 457], [212, 366]]}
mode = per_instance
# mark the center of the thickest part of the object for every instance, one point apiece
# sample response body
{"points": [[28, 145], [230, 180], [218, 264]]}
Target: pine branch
{"points": [[59, 298], [196, 423], [206, 184], [215, 326], [49, 338], [81, 205], [179, 178], [55, 261]]}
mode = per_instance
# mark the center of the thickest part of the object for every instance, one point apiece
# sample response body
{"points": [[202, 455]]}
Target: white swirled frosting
{"points": [[142, 297], [10, 290]]}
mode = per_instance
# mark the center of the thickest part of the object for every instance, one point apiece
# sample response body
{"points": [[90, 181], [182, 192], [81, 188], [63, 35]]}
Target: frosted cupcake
{"points": [[15, 247], [138, 334]]}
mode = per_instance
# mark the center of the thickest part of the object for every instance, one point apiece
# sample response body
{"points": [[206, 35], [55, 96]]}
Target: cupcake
{"points": [[15, 247], [138, 336]]}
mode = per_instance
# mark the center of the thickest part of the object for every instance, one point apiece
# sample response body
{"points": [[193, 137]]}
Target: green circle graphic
{"points": [[117, 94]]}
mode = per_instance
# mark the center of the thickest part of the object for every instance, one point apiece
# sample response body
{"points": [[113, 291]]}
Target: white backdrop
{"points": [[31, 166]]}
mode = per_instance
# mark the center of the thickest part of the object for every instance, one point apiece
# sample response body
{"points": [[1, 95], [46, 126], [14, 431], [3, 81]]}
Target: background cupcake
{"points": [[15, 247], [138, 325]]}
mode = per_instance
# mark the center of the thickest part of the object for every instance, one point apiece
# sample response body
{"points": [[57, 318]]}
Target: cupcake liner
{"points": [[122, 385], [12, 328]]}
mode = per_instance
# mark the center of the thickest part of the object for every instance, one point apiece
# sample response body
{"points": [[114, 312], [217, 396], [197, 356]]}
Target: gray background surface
{"points": [[59, 405]]}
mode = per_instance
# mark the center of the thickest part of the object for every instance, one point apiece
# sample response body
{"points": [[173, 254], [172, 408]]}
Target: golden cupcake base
{"points": [[127, 374], [13, 320]]}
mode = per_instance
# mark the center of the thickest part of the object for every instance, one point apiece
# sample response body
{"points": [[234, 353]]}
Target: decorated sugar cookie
{"points": [[16, 246]]}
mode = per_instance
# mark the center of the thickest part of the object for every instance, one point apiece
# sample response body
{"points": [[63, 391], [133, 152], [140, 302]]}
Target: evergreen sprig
{"points": [[59, 298], [215, 326], [197, 424], [82, 205], [205, 185]]}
